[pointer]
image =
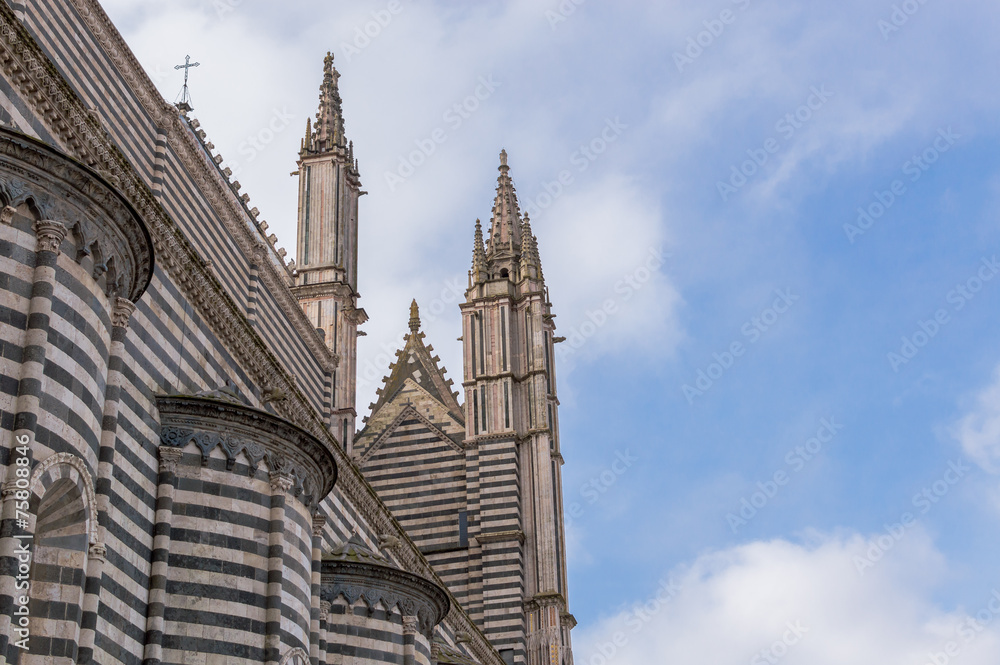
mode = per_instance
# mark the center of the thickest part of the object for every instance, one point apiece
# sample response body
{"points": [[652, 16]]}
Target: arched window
{"points": [[58, 566], [64, 509]]}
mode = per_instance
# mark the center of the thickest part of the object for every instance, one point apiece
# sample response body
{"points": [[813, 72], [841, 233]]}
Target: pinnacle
{"points": [[505, 225], [414, 316]]}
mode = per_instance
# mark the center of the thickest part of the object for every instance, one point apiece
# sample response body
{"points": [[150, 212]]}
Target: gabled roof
{"points": [[414, 361]]}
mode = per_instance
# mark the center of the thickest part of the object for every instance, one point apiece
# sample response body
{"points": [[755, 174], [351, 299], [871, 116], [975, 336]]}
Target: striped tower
{"points": [[512, 422], [326, 275]]}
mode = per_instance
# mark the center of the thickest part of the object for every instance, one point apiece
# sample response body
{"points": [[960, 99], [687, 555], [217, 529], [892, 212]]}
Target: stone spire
{"points": [[414, 316], [505, 226], [478, 256], [328, 131]]}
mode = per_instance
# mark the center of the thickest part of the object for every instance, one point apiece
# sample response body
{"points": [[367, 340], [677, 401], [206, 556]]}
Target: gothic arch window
{"points": [[295, 657], [62, 504]]}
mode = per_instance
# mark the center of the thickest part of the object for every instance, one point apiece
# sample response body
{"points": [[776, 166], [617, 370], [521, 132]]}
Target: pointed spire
{"points": [[329, 128], [529, 251], [505, 226], [478, 256], [307, 141], [414, 316]]}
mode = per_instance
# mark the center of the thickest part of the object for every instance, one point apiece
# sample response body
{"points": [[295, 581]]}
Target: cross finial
{"points": [[185, 103]]}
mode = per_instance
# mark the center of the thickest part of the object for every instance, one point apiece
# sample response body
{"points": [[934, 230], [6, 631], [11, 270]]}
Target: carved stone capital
{"points": [[409, 625], [280, 483], [122, 312], [324, 610], [7, 489], [169, 457], [50, 235], [7, 214], [98, 551], [318, 522]]}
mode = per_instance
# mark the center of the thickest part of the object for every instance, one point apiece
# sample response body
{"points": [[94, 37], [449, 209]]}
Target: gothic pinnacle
{"points": [[330, 117], [505, 226], [478, 255], [414, 316]]}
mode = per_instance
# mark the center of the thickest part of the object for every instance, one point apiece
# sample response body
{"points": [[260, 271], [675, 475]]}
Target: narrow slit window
{"points": [[503, 336]]}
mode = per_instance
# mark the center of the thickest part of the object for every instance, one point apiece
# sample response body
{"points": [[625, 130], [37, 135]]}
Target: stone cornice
{"points": [[205, 173], [414, 595], [74, 199], [26, 68]]}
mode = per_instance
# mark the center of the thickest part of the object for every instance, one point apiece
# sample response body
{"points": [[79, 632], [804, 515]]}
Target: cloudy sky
{"points": [[770, 231]]}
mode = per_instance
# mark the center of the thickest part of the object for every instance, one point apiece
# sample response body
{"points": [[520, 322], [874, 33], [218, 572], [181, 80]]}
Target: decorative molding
{"points": [[73, 200], [376, 583], [291, 453]]}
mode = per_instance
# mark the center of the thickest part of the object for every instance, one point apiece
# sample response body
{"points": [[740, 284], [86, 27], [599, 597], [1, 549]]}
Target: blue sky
{"points": [[658, 270]]}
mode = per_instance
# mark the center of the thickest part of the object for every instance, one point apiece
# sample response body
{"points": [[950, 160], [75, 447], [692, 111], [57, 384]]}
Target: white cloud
{"points": [[605, 252], [979, 430], [799, 604]]}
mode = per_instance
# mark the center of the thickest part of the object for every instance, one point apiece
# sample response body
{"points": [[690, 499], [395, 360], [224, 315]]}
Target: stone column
{"points": [[280, 484], [328, 405], [91, 602], [159, 163], [253, 289], [317, 556], [50, 235], [409, 640], [167, 478], [324, 636], [109, 423]]}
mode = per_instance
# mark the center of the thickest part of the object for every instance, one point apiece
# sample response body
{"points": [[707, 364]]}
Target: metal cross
{"points": [[185, 96]]}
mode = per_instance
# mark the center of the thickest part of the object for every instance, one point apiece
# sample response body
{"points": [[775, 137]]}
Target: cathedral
{"points": [[186, 479]]}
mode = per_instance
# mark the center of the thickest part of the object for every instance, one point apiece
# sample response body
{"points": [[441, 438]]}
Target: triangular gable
{"points": [[414, 361], [408, 412]]}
